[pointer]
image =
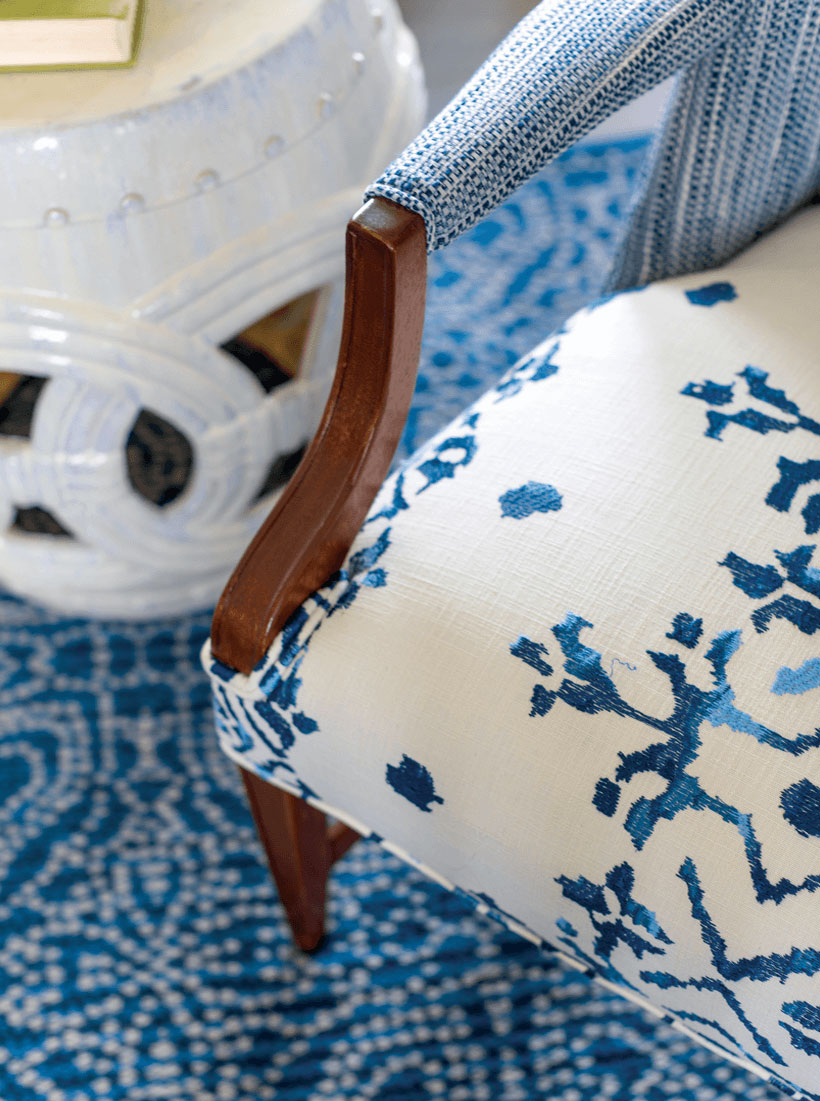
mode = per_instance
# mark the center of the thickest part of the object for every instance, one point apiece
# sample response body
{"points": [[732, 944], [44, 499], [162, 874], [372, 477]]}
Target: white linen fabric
{"points": [[572, 665]]}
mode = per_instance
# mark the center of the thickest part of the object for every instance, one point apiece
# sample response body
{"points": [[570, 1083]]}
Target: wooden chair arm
{"points": [[308, 533]]}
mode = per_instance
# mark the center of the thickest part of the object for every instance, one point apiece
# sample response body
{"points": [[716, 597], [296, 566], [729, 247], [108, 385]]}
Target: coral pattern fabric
{"points": [[572, 667]]}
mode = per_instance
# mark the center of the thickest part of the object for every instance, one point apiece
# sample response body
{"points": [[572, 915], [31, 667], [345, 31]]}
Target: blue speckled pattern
{"points": [[143, 952]]}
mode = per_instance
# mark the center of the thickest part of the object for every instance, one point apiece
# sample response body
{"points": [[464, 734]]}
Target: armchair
{"points": [[566, 660]]}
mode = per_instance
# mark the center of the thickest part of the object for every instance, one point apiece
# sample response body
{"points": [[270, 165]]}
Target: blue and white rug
{"points": [[143, 952]]}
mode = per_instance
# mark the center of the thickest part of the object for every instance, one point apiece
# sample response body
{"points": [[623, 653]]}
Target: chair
{"points": [[567, 660]]}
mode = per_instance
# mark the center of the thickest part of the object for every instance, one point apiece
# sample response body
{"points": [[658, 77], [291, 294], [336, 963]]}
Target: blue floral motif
{"points": [[809, 1017], [414, 782], [711, 294], [610, 927], [449, 456], [274, 721], [794, 682], [714, 393], [757, 387], [535, 367], [792, 475], [588, 689], [686, 630], [799, 570], [759, 968], [801, 807], [753, 580], [758, 582], [804, 616], [533, 654], [613, 931], [525, 500]]}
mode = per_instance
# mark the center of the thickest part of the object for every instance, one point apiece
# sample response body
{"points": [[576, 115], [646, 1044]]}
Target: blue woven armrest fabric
{"points": [[565, 68], [739, 149]]}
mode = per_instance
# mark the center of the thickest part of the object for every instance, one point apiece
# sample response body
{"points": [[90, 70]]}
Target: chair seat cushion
{"points": [[572, 665]]}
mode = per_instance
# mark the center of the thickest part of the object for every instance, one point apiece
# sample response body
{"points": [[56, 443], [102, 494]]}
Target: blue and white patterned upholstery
{"points": [[739, 149], [120, 815], [571, 666]]}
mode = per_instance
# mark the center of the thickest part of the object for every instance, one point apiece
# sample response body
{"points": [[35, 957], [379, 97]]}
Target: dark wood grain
{"points": [[301, 850], [295, 838], [308, 533]]}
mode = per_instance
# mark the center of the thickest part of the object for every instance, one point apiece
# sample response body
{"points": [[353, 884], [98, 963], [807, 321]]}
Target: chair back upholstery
{"points": [[739, 148]]}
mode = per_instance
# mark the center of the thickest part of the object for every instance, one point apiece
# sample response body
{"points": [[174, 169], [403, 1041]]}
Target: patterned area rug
{"points": [[143, 953]]}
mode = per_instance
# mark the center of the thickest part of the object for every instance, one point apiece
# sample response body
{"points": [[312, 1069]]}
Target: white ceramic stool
{"points": [[147, 217]]}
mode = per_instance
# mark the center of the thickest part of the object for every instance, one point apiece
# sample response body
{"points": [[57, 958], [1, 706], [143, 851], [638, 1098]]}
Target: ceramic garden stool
{"points": [[170, 266]]}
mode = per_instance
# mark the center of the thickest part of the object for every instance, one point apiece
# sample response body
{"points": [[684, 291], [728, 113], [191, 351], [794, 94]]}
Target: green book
{"points": [[44, 34]]}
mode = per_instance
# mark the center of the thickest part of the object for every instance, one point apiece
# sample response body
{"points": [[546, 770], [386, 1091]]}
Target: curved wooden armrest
{"points": [[309, 531]]}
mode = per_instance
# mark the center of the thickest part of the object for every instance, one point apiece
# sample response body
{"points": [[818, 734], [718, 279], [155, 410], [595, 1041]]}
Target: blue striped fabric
{"points": [[738, 149]]}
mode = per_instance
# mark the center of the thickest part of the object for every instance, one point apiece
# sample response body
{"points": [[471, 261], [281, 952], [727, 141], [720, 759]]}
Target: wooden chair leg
{"points": [[300, 851]]}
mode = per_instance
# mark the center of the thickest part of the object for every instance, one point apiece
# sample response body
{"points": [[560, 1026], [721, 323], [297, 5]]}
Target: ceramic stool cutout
{"points": [[148, 218]]}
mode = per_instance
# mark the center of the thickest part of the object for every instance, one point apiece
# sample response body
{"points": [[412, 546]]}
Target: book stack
{"points": [[67, 34]]}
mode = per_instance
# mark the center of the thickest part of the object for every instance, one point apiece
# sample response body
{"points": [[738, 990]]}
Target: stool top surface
{"points": [[185, 45]]}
